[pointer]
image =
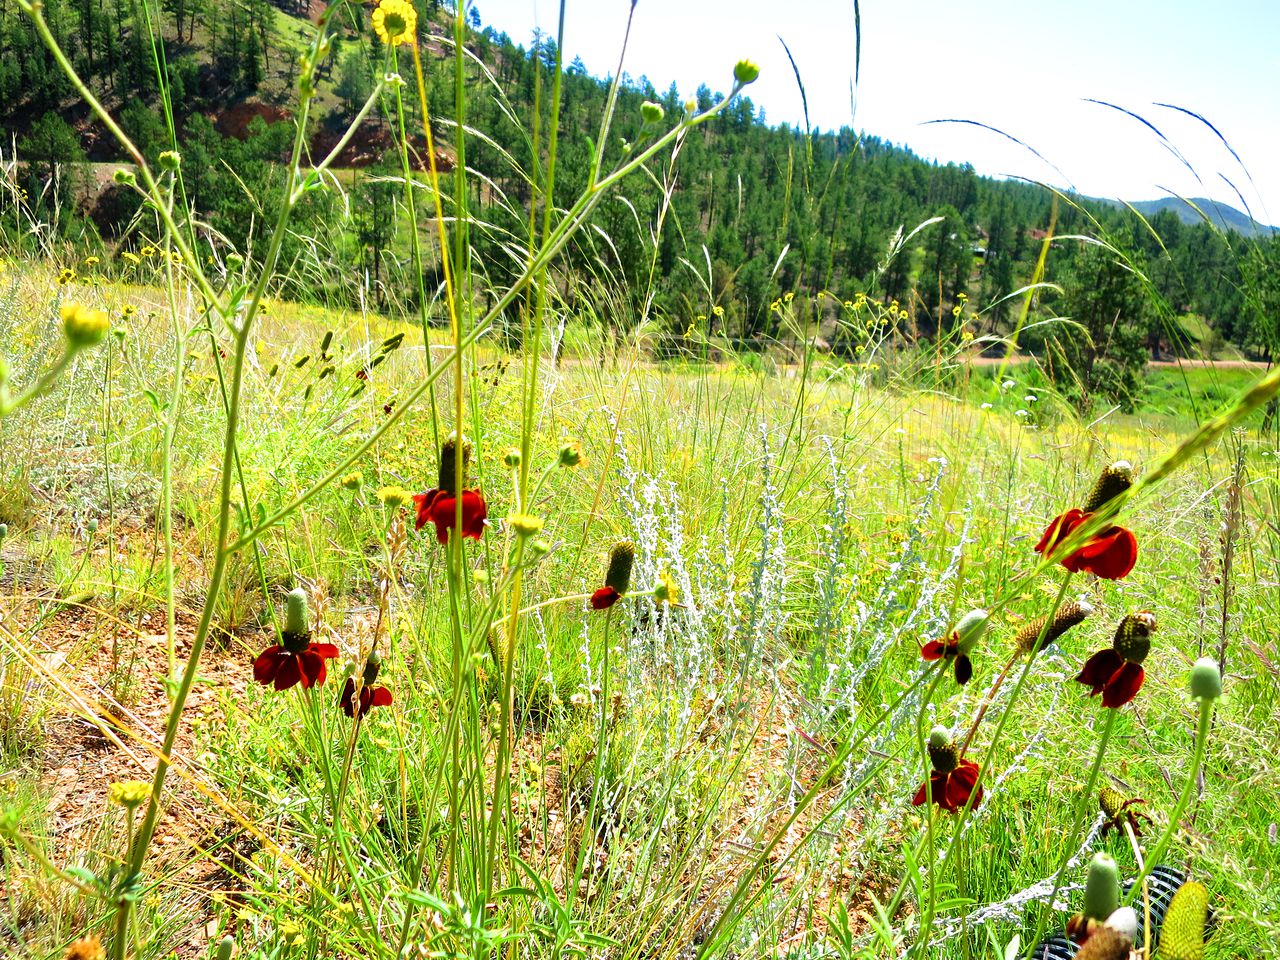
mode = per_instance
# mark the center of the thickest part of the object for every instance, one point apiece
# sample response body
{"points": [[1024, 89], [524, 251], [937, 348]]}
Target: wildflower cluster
{"points": [[1117, 672]]}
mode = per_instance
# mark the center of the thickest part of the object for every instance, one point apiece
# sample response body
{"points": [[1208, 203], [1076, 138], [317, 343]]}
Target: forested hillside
{"points": [[744, 213]]}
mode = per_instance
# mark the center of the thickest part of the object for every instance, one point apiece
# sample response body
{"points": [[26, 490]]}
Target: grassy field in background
{"points": [[819, 529]]}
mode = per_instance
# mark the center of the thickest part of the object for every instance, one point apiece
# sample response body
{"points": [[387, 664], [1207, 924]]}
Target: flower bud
{"points": [[1102, 889], [1112, 482], [92, 526], [651, 112], [352, 481], [666, 591], [571, 454], [1206, 679], [1068, 615], [170, 160], [123, 177], [621, 559], [745, 72], [971, 628], [234, 261], [394, 496], [82, 326], [297, 615], [511, 458], [226, 947], [4, 532], [524, 524]]}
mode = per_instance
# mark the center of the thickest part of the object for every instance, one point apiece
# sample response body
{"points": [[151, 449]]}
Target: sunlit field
{"points": [[482, 623]]}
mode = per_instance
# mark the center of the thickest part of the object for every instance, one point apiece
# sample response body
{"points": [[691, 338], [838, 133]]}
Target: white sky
{"points": [[1024, 67]]}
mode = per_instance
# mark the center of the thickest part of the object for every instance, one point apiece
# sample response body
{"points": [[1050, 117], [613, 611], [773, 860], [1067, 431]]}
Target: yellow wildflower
{"points": [[395, 22]]}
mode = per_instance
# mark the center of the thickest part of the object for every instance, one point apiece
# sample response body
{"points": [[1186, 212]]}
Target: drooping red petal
{"points": [[289, 672], [422, 507], [381, 697], [604, 598], [963, 784], [347, 700], [1123, 685], [1110, 555], [1059, 530], [1098, 669], [267, 664], [474, 513], [312, 667], [443, 512], [933, 650], [919, 798], [327, 650]]}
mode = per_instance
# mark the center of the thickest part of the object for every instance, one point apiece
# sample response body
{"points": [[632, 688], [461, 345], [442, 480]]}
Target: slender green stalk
{"points": [[1188, 788], [1079, 816]]}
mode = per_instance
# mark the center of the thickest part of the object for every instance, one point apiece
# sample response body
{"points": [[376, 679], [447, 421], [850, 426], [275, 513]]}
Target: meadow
{"points": [[328, 633]]}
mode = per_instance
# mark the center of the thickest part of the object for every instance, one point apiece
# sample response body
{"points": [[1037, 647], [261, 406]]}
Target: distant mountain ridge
{"points": [[1222, 215]]}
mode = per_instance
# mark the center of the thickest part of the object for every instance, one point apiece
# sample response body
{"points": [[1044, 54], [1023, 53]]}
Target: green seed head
{"points": [[971, 628], [651, 112], [1113, 481], [170, 160], [1133, 636], [226, 947], [1102, 889], [621, 558], [1206, 679], [1186, 925], [123, 177], [297, 615]]}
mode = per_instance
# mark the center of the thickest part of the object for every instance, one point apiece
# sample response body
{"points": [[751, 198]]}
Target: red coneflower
{"points": [[370, 696], [953, 781], [295, 659], [617, 579], [1117, 672], [440, 506], [1111, 552], [957, 645]]}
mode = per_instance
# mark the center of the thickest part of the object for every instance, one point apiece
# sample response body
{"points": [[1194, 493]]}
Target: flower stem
{"points": [[1108, 725], [1175, 818]]}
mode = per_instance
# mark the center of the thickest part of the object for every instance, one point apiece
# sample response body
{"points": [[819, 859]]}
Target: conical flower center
{"points": [[944, 758], [295, 642], [1068, 615], [1133, 636], [1115, 480]]}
